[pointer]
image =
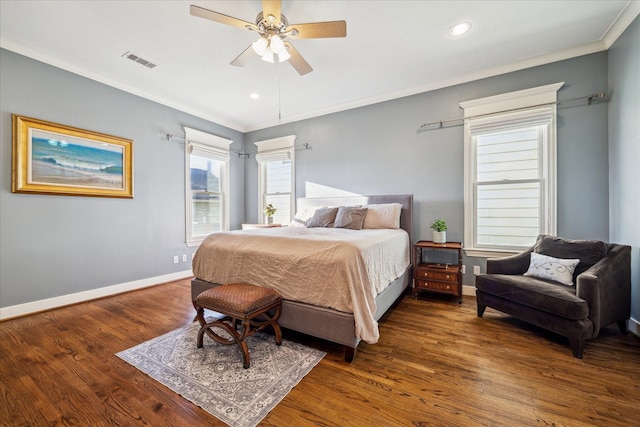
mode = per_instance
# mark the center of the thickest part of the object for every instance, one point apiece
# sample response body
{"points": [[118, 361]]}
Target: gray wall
{"points": [[377, 149], [58, 245], [624, 149]]}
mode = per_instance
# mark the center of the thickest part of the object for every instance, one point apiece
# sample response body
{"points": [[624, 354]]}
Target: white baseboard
{"points": [[634, 326], [469, 290], [55, 302]]}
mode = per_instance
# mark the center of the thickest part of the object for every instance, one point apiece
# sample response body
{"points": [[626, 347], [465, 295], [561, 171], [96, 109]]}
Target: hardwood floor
{"points": [[436, 364]]}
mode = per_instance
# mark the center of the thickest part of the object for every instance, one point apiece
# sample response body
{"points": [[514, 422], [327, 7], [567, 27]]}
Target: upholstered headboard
{"points": [[406, 200]]}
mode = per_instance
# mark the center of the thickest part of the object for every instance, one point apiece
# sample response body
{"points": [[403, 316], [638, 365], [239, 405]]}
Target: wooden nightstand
{"points": [[442, 277]]}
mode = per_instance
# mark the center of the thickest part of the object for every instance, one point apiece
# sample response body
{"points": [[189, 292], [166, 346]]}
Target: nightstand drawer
{"points": [[438, 286], [436, 275]]}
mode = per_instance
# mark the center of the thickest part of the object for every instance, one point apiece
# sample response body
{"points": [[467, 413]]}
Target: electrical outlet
{"points": [[476, 269], [175, 259], [184, 257], [464, 269]]}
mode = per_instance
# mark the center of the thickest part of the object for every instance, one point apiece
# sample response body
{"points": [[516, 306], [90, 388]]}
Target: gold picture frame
{"points": [[50, 158]]}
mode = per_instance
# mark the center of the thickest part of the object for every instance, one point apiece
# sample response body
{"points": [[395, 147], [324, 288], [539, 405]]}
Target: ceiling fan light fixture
{"points": [[260, 46], [276, 44], [268, 56], [284, 55]]}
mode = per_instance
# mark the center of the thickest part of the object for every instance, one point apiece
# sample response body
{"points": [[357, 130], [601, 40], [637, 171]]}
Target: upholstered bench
{"points": [[239, 302]]}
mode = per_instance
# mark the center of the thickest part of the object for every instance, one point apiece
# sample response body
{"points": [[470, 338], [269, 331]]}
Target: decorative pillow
{"points": [[383, 216], [323, 217], [302, 217], [549, 268], [588, 252], [350, 217]]}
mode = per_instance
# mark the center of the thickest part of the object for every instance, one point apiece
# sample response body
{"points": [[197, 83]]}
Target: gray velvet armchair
{"points": [[599, 295]]}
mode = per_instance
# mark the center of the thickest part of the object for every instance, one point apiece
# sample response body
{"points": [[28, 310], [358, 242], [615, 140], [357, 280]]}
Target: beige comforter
{"points": [[330, 267]]}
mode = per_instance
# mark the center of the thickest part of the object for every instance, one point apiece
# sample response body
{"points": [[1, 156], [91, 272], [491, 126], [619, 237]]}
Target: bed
{"points": [[311, 305]]}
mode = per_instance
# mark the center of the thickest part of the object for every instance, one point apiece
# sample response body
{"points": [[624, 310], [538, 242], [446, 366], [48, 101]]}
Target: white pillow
{"points": [[383, 216], [549, 268], [303, 216]]}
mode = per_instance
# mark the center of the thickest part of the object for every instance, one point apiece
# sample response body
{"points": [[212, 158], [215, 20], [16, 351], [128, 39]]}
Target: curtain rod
{"points": [[589, 98], [297, 147]]}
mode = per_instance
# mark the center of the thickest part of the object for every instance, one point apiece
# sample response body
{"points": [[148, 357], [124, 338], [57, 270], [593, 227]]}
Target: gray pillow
{"points": [[350, 217], [323, 217]]}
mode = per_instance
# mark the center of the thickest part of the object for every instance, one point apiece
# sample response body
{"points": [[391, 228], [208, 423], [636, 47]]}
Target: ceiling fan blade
{"points": [[297, 61], [244, 58], [223, 19], [273, 8], [318, 30]]}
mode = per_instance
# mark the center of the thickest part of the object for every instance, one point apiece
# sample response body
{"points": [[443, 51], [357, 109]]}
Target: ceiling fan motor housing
{"points": [[267, 25]]}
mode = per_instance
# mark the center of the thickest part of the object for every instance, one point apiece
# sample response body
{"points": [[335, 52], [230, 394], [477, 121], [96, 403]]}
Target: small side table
{"points": [[445, 278]]}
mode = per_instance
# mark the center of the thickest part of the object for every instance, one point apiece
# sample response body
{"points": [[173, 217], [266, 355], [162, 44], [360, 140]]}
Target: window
{"points": [[276, 177], [510, 170], [207, 185]]}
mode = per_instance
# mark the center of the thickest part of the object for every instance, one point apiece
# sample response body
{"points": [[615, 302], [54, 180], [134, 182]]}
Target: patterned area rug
{"points": [[213, 378]]}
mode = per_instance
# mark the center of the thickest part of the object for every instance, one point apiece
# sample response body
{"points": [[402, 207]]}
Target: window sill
{"points": [[488, 253], [194, 243]]}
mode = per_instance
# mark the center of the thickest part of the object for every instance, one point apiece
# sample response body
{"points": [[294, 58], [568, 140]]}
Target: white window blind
{"points": [[508, 187]]}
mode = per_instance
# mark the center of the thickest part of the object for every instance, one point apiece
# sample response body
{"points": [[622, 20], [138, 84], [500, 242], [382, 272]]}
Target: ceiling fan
{"points": [[273, 28]]}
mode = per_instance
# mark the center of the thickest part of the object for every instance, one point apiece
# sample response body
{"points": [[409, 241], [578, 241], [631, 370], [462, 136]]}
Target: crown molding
{"points": [[58, 63], [534, 61], [626, 17]]}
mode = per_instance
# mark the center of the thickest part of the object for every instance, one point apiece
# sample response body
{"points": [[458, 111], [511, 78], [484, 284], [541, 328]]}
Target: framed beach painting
{"points": [[50, 158]]}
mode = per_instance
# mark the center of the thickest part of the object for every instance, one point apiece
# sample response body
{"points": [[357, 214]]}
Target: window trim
{"points": [[216, 148], [502, 109], [273, 149]]}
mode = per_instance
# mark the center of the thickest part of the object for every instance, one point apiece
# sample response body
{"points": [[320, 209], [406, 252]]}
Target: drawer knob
{"points": [[447, 276]]}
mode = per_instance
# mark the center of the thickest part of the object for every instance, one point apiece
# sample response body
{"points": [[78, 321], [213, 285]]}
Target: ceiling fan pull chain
{"points": [[279, 95]]}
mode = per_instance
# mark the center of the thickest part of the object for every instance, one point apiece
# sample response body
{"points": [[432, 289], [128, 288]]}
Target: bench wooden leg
{"points": [[273, 322], [236, 338], [230, 325], [246, 361]]}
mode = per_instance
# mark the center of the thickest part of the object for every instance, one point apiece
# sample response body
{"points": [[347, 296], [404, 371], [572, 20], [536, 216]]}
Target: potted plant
{"points": [[439, 231], [269, 211]]}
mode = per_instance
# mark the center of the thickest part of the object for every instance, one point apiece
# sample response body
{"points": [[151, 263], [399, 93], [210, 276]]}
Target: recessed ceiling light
{"points": [[460, 29], [254, 95]]}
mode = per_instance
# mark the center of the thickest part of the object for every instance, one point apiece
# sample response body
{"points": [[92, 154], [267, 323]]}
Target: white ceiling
{"points": [[392, 49]]}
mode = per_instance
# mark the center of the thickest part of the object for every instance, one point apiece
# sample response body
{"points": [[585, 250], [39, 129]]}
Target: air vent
{"points": [[136, 58]]}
